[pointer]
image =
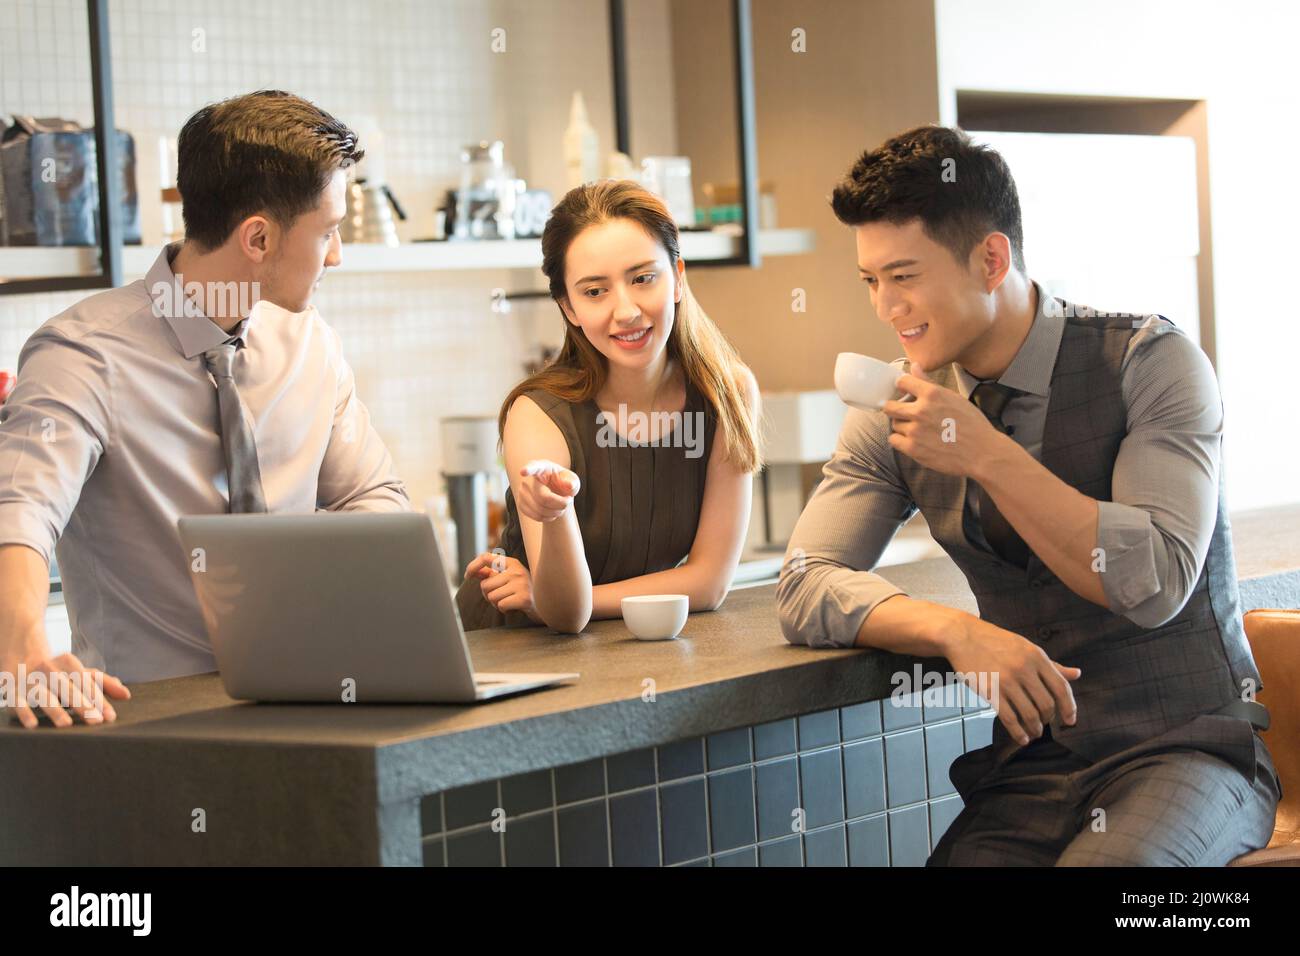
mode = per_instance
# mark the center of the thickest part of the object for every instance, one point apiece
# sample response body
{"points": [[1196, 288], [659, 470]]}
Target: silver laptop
{"points": [[335, 607]]}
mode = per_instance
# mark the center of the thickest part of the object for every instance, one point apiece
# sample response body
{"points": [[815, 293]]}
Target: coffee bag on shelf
{"points": [[51, 183]]}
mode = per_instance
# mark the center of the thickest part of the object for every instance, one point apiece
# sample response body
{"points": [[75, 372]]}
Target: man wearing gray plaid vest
{"points": [[1069, 463]]}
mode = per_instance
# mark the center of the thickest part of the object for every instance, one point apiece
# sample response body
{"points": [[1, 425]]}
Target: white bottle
{"points": [[445, 531], [581, 147]]}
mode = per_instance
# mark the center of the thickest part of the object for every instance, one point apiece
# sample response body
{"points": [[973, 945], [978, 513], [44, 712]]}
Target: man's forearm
{"points": [[1057, 522], [905, 625], [24, 590], [357, 473], [388, 497]]}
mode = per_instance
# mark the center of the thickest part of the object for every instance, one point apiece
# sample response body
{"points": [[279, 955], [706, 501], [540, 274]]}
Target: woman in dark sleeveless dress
{"points": [[630, 456]]}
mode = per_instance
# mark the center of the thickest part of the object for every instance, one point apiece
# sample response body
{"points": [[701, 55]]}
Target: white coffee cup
{"points": [[655, 617], [865, 382]]}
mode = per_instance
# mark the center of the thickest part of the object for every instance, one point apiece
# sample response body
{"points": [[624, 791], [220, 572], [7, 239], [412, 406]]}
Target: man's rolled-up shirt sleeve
{"points": [[53, 430], [1125, 536], [1155, 533], [827, 587]]}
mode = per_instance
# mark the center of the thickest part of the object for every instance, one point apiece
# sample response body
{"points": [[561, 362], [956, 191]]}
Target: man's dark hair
{"points": [[268, 151], [958, 202]]}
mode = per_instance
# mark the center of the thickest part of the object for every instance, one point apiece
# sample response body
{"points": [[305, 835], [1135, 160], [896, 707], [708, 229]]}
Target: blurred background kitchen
{"points": [[1151, 141]]}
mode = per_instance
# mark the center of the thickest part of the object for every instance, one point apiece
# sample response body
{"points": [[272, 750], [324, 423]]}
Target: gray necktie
{"points": [[242, 472], [991, 398]]}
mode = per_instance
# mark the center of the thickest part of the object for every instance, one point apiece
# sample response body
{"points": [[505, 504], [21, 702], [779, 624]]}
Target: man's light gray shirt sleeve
{"points": [[53, 430], [1155, 533], [356, 473], [827, 586]]}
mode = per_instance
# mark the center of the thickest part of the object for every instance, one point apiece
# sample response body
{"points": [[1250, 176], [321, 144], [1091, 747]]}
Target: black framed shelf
{"points": [[110, 188], [29, 269]]}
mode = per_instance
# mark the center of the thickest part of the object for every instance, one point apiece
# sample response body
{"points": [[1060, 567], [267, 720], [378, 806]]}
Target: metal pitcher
{"points": [[370, 210]]}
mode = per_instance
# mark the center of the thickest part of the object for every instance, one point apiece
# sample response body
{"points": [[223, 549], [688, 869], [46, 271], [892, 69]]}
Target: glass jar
{"points": [[485, 202]]}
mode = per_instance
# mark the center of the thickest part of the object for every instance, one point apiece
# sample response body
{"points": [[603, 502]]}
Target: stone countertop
{"points": [[187, 776], [730, 668]]}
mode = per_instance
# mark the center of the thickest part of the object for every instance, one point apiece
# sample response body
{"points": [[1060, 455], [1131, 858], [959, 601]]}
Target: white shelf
{"points": [[35, 262]]}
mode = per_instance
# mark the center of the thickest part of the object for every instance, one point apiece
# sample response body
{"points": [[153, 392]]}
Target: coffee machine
{"points": [[469, 455]]}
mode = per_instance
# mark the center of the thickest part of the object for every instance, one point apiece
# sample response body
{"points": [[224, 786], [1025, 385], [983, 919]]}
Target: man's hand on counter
{"points": [[1031, 688], [31, 678], [67, 688]]}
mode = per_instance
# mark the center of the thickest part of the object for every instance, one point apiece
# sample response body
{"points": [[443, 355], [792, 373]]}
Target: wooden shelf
{"points": [[35, 262]]}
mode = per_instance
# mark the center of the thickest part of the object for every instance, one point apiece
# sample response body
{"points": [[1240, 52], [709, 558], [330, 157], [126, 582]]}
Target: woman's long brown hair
{"points": [[579, 371]]}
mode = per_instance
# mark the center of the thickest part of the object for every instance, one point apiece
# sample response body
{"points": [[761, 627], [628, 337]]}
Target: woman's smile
{"points": [[633, 339]]}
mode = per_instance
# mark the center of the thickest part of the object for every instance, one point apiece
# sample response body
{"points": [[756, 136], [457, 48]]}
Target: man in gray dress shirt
{"points": [[213, 375], [1068, 461]]}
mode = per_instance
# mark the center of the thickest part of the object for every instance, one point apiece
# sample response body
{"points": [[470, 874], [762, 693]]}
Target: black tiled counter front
{"points": [[725, 747], [871, 791]]}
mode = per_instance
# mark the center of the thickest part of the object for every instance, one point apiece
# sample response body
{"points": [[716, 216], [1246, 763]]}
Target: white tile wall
{"points": [[422, 346]]}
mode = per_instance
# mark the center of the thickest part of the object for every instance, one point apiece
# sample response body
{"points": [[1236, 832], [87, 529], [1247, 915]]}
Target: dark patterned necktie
{"points": [[242, 471], [991, 398]]}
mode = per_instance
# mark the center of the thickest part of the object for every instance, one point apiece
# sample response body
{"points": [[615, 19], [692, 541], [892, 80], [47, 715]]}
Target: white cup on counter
{"points": [[865, 382], [655, 617]]}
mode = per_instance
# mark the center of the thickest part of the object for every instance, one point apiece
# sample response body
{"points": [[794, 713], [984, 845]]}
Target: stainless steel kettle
{"points": [[370, 210]]}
